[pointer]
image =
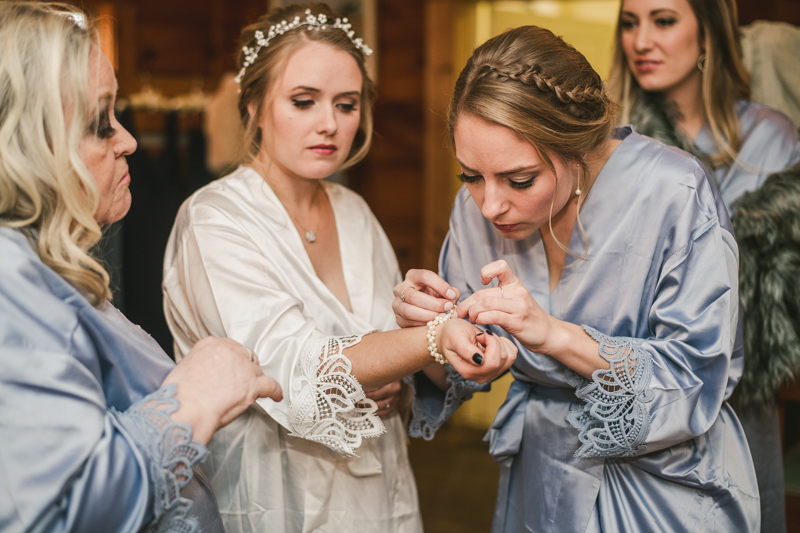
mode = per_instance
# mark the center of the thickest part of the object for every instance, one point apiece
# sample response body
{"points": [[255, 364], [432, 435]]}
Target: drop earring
{"points": [[578, 188]]}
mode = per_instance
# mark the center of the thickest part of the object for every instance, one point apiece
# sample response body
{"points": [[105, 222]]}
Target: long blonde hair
{"points": [[541, 88], [45, 189], [259, 79], [725, 79]]}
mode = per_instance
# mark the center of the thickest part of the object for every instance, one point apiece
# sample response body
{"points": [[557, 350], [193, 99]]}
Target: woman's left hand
{"points": [[509, 306], [387, 398]]}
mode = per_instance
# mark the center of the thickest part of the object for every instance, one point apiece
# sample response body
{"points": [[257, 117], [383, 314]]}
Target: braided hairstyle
{"points": [[533, 83]]}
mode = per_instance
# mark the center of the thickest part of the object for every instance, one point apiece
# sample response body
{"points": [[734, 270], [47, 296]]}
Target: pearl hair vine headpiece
{"points": [[314, 22]]}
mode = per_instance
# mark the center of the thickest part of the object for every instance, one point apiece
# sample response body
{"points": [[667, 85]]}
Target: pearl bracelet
{"points": [[441, 319]]}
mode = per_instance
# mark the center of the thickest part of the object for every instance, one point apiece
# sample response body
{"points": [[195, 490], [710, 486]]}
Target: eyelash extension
{"points": [[468, 179], [303, 104], [347, 108], [522, 184], [101, 125]]}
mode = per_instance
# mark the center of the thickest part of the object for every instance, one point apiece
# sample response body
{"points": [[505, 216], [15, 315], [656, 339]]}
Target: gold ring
{"points": [[502, 295], [402, 294]]}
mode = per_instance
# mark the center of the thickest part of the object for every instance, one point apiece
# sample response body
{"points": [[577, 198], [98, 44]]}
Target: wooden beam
{"points": [[437, 186]]}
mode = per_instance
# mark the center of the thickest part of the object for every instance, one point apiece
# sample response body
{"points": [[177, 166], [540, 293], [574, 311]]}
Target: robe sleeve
{"points": [[219, 281], [668, 388], [68, 463]]}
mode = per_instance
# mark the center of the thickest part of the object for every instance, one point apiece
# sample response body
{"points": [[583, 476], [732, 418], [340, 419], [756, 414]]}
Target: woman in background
{"points": [[99, 430], [679, 76], [299, 269]]}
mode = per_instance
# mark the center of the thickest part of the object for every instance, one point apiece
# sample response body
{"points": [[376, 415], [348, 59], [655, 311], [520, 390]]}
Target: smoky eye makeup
{"points": [[468, 178], [524, 184], [101, 125]]}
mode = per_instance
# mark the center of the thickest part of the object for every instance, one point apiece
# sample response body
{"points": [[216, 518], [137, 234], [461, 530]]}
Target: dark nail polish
{"points": [[478, 359]]}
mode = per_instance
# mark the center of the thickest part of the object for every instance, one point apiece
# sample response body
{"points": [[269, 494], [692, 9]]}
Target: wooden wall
{"points": [[390, 178], [176, 44]]}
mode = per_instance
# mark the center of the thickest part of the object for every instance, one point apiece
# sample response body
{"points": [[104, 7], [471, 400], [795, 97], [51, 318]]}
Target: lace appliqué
{"points": [[330, 406], [424, 422], [173, 454], [614, 421]]}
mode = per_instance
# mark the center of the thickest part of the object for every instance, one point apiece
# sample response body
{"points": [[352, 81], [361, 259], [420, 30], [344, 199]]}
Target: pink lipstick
{"points": [[324, 149]]}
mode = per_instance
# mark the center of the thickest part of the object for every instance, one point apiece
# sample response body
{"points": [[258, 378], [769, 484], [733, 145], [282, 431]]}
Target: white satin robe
{"points": [[236, 267]]}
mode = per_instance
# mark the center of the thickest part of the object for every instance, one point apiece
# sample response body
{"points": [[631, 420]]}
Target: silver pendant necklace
{"points": [[311, 237]]}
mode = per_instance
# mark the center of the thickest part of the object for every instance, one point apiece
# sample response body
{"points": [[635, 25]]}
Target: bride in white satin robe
{"points": [[236, 267]]}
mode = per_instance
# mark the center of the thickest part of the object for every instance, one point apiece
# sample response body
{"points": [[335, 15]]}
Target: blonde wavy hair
{"points": [[541, 88], [259, 80], [725, 79], [45, 189]]}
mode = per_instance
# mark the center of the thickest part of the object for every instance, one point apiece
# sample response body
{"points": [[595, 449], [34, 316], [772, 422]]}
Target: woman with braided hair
{"points": [[611, 265], [680, 78]]}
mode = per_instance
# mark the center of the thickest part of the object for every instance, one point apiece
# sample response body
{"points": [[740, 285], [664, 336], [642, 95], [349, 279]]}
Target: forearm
{"points": [[384, 357], [570, 344]]}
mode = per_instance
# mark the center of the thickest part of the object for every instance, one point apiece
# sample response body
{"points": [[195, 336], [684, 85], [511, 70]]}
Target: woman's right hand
{"points": [[217, 381], [476, 355], [421, 296]]}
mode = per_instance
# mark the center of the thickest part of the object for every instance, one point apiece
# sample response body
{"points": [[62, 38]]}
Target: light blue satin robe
{"points": [[659, 292], [83, 446], [769, 143]]}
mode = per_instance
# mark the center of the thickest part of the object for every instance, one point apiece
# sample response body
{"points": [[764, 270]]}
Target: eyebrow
{"points": [[652, 13], [315, 90], [511, 172]]}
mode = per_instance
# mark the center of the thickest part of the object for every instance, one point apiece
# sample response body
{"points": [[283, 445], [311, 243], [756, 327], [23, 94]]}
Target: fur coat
{"points": [[767, 227]]}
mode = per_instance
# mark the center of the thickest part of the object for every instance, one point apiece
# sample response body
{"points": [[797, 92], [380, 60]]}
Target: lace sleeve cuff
{"points": [[432, 407], [614, 420], [328, 404], [172, 453]]}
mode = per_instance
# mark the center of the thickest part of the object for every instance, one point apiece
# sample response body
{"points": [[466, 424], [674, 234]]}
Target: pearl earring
{"points": [[578, 189]]}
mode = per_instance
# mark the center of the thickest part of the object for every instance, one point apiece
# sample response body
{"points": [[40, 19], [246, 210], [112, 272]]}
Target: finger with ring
{"points": [[251, 354], [402, 294], [386, 404], [502, 295]]}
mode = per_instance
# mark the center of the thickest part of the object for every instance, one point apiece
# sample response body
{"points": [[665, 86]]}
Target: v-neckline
{"points": [[296, 242]]}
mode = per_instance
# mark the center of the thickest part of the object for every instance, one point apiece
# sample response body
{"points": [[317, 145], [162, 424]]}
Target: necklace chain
{"points": [[309, 234]]}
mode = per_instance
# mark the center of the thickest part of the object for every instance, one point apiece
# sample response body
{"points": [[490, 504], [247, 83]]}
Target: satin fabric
{"points": [[236, 267], [769, 143], [661, 272], [67, 370]]}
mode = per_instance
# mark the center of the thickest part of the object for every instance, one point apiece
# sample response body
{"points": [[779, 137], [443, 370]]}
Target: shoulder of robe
{"points": [[37, 306], [763, 120]]}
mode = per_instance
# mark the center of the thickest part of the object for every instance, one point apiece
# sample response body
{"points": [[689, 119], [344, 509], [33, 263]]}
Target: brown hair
{"points": [[259, 79], [45, 189], [541, 88], [725, 79]]}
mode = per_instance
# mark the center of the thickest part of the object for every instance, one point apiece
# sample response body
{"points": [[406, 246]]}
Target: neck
{"points": [[298, 195], [688, 99], [595, 161]]}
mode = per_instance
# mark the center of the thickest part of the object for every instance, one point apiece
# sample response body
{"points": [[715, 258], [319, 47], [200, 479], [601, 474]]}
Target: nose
{"points": [[495, 200], [125, 143], [327, 123], [642, 38]]}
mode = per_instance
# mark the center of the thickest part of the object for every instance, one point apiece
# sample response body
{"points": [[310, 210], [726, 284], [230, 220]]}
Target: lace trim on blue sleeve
{"points": [[173, 454], [614, 420], [424, 420]]}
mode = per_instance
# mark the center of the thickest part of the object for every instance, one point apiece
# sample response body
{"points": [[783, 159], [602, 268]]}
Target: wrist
{"points": [[193, 412], [557, 338]]}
